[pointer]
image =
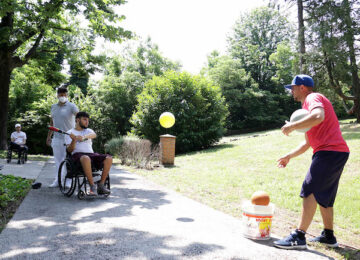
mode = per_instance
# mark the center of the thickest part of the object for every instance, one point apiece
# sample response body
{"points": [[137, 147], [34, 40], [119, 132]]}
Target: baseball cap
{"points": [[17, 125], [301, 79]]}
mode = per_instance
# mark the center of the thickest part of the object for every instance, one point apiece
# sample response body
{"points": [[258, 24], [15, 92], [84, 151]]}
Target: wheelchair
{"points": [[75, 178], [10, 151]]}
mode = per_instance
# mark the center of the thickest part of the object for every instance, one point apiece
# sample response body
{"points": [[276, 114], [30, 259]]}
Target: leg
{"points": [[86, 165], [308, 212], [328, 217], [107, 165], [59, 152]]}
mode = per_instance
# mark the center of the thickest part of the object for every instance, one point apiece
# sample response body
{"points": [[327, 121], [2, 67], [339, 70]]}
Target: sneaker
{"points": [[326, 239], [92, 191], [293, 241], [102, 190], [54, 184]]}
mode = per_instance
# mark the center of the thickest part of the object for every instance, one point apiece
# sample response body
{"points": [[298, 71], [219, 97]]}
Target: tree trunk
{"points": [[301, 35], [349, 37], [5, 73]]}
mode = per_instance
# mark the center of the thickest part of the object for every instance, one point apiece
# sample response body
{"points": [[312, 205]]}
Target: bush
{"points": [[197, 104], [134, 151]]}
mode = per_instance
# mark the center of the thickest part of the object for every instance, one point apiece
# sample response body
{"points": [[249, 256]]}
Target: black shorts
{"points": [[97, 159], [323, 177]]}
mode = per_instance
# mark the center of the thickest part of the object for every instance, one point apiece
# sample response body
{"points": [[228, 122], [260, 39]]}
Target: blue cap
{"points": [[301, 80]]}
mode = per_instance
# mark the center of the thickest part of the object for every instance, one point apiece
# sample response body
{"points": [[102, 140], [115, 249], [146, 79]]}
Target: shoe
{"points": [[18, 162], [102, 190], [92, 191], [54, 184], [293, 241], [326, 239]]}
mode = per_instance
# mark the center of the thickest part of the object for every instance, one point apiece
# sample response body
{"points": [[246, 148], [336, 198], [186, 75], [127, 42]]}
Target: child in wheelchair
{"points": [[79, 144], [18, 141]]}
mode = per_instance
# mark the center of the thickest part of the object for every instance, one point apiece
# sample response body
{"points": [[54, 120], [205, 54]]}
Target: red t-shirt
{"points": [[325, 136]]}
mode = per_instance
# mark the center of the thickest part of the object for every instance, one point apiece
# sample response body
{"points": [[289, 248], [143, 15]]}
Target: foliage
{"points": [[124, 79], [49, 31], [254, 38], [134, 151], [114, 146], [250, 107], [197, 104]]}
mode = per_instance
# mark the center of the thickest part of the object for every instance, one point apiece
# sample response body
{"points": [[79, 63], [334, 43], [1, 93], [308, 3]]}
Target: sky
{"points": [[185, 30]]}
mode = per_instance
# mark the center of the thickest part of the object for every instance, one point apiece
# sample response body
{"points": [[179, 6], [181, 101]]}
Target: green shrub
{"points": [[134, 151], [114, 146], [197, 104]]}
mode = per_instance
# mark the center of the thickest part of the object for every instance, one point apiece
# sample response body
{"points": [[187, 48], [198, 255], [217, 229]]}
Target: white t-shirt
{"points": [[80, 147], [19, 137]]}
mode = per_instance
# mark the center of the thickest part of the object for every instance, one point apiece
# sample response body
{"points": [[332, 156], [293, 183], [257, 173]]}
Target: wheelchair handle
{"points": [[57, 130]]}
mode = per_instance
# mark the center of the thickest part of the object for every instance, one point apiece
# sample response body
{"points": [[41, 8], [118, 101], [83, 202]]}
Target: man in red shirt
{"points": [[330, 153]]}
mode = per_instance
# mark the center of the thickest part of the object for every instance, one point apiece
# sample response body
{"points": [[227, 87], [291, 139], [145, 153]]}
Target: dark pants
{"points": [[19, 148], [323, 177]]}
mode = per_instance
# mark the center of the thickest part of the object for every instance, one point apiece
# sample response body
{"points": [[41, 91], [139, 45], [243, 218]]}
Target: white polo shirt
{"points": [[19, 137], [80, 147]]}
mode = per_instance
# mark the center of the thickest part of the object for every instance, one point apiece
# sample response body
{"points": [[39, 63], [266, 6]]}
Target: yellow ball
{"points": [[167, 120]]}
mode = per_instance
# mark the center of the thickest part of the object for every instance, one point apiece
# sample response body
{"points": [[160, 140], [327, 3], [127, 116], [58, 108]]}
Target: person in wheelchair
{"points": [[18, 141], [79, 144]]}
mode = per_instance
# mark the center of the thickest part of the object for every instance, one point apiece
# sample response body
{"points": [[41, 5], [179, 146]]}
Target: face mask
{"points": [[63, 99]]}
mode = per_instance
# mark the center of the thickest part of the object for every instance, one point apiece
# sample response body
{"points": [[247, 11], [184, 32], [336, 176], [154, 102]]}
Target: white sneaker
{"points": [[54, 184]]}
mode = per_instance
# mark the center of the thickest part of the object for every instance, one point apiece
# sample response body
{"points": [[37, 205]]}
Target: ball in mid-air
{"points": [[167, 119]]}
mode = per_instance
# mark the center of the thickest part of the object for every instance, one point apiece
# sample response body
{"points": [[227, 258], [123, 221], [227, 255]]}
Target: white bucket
{"points": [[257, 220]]}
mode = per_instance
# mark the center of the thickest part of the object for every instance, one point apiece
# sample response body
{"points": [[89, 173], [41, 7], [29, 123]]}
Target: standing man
{"points": [[62, 117], [18, 141], [330, 153]]}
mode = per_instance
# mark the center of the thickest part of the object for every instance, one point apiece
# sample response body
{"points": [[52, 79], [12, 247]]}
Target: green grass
{"points": [[12, 191], [227, 174]]}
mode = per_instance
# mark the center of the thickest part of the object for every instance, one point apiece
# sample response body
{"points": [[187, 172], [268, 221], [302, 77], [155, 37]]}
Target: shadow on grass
{"points": [[348, 253]]}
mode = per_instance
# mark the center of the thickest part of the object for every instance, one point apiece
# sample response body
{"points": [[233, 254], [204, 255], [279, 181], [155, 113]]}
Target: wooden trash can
{"points": [[167, 149]]}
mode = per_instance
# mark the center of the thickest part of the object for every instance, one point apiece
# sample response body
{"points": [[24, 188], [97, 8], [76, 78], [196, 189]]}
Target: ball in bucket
{"points": [[167, 119], [298, 115], [260, 198]]}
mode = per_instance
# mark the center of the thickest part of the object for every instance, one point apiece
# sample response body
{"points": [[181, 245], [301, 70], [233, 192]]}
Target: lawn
{"points": [[227, 174]]}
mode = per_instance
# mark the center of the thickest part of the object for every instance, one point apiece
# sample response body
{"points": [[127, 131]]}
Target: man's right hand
{"points": [[73, 137], [283, 161], [48, 141]]}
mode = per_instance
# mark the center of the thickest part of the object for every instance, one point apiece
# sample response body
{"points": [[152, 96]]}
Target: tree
{"points": [[36, 29], [334, 26], [255, 37], [125, 76], [197, 104]]}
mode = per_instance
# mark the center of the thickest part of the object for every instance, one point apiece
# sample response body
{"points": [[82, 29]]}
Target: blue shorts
{"points": [[323, 177]]}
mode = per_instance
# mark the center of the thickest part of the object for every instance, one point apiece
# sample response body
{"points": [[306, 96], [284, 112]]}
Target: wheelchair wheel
{"points": [[81, 195], [66, 179]]}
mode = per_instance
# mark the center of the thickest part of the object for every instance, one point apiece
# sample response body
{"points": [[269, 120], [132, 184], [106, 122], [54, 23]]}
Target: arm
{"points": [[48, 139], [72, 145], [317, 115], [89, 136], [302, 148]]}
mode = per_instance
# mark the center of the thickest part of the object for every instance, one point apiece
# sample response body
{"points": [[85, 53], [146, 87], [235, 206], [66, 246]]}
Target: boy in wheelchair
{"points": [[18, 140], [79, 144]]}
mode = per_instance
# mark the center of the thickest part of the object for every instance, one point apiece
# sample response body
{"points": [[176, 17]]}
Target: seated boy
{"points": [[79, 144], [18, 141]]}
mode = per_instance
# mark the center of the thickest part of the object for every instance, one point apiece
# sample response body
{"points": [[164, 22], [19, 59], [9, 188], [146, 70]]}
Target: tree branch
{"points": [[17, 62]]}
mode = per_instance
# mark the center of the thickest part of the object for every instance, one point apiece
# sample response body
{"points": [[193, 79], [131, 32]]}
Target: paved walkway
{"points": [[140, 220]]}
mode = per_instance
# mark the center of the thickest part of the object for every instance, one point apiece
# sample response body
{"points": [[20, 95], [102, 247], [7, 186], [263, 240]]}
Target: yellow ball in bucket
{"points": [[167, 120]]}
